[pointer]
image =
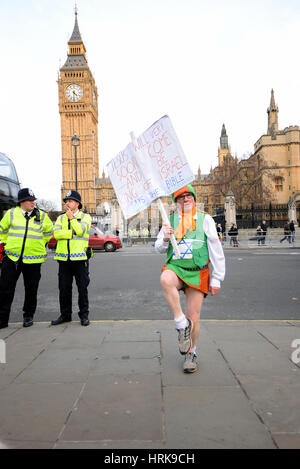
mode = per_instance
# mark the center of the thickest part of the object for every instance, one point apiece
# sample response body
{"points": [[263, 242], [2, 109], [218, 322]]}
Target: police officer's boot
{"points": [[60, 320]]}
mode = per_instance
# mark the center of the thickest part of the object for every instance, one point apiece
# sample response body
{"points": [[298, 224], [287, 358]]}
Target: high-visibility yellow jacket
{"points": [[29, 236], [72, 238]]}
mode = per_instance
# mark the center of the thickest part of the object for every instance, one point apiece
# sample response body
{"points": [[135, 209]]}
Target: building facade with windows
{"points": [[281, 150]]}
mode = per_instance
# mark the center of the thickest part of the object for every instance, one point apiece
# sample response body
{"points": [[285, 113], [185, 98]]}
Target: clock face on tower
{"points": [[74, 93]]}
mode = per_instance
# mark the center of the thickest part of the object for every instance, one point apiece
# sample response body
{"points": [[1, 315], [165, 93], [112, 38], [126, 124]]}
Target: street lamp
{"points": [[75, 143]]}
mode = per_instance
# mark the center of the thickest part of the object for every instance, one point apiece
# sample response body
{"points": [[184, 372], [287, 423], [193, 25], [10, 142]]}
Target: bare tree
{"points": [[47, 205], [50, 207], [250, 180]]}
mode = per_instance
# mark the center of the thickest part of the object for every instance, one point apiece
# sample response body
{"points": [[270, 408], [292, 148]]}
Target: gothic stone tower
{"points": [[224, 148], [281, 151], [78, 108]]}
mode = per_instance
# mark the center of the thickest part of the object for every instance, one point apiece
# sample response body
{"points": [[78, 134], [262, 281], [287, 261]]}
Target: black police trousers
{"points": [[10, 274], [67, 270]]}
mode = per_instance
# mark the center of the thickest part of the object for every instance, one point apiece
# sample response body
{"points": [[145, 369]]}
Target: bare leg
{"points": [[194, 300], [171, 285]]}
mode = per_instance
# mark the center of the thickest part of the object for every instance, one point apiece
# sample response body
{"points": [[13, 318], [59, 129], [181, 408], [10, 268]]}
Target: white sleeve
{"points": [[215, 250], [161, 246]]}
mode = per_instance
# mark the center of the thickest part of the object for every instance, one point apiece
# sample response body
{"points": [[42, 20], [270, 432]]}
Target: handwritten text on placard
{"points": [[153, 166]]}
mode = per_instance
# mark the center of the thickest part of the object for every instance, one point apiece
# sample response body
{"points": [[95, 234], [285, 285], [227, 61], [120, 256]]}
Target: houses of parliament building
{"points": [[277, 150]]}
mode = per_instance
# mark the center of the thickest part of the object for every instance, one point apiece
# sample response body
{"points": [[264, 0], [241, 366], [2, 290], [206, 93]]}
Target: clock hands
{"points": [[74, 93]]}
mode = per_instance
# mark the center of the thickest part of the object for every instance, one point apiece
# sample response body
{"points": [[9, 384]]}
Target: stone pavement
{"points": [[120, 385]]}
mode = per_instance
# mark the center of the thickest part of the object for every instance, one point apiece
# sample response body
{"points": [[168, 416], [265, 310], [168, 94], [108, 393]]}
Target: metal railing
{"points": [[273, 239]]}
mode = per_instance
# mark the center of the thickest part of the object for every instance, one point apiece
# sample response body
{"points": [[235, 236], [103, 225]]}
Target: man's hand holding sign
{"points": [[150, 167]]}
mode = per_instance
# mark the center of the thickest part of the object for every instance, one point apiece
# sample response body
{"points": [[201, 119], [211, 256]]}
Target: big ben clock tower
{"points": [[78, 108]]}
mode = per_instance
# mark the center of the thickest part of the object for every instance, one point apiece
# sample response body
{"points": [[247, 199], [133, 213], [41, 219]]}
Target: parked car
{"points": [[1, 253], [98, 240]]}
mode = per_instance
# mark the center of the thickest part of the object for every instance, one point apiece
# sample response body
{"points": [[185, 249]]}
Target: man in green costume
{"points": [[199, 246]]}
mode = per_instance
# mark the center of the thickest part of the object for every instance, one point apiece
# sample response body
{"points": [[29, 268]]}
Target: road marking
{"points": [[276, 253], [170, 320]]}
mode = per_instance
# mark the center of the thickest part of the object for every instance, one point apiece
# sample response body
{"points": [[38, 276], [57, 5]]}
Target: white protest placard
{"points": [[153, 165]]}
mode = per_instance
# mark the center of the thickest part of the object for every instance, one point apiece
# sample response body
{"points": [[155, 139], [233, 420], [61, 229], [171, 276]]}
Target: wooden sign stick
{"points": [[163, 212]]}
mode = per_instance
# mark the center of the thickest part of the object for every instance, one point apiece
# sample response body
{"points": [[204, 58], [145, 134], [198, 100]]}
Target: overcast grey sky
{"points": [[204, 63]]}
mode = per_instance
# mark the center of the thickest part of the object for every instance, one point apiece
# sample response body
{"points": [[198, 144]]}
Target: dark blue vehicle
{"points": [[9, 187], [9, 184]]}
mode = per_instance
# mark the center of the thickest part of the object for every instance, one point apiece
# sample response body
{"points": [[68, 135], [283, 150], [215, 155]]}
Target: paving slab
{"points": [[215, 417], [281, 337], [115, 407], [256, 354], [119, 384], [76, 336], [287, 440], [20, 444], [110, 444], [130, 349], [276, 399], [23, 346], [133, 331], [53, 365], [125, 366], [36, 412]]}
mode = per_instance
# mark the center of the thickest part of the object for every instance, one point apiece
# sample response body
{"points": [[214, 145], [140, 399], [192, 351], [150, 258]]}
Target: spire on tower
{"points": [[77, 53], [224, 139], [199, 173], [224, 149], [272, 103], [273, 106], [272, 117], [76, 36]]}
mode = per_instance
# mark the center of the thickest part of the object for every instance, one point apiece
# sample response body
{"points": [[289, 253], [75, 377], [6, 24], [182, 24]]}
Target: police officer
{"points": [[72, 233], [24, 230]]}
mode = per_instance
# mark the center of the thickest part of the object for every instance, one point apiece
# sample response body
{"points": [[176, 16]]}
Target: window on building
{"points": [[278, 183], [7, 168]]}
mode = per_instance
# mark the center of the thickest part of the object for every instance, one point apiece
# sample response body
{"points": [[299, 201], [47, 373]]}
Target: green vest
{"points": [[73, 241], [199, 249], [30, 236]]}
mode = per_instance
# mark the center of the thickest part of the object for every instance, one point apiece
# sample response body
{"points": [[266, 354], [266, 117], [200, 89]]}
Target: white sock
{"points": [[181, 322], [193, 350]]}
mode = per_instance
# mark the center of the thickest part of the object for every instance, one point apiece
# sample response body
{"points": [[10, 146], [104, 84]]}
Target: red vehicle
{"points": [[1, 252], [98, 240]]}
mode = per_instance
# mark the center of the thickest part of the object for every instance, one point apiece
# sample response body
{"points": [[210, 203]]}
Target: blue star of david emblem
{"points": [[188, 248]]}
